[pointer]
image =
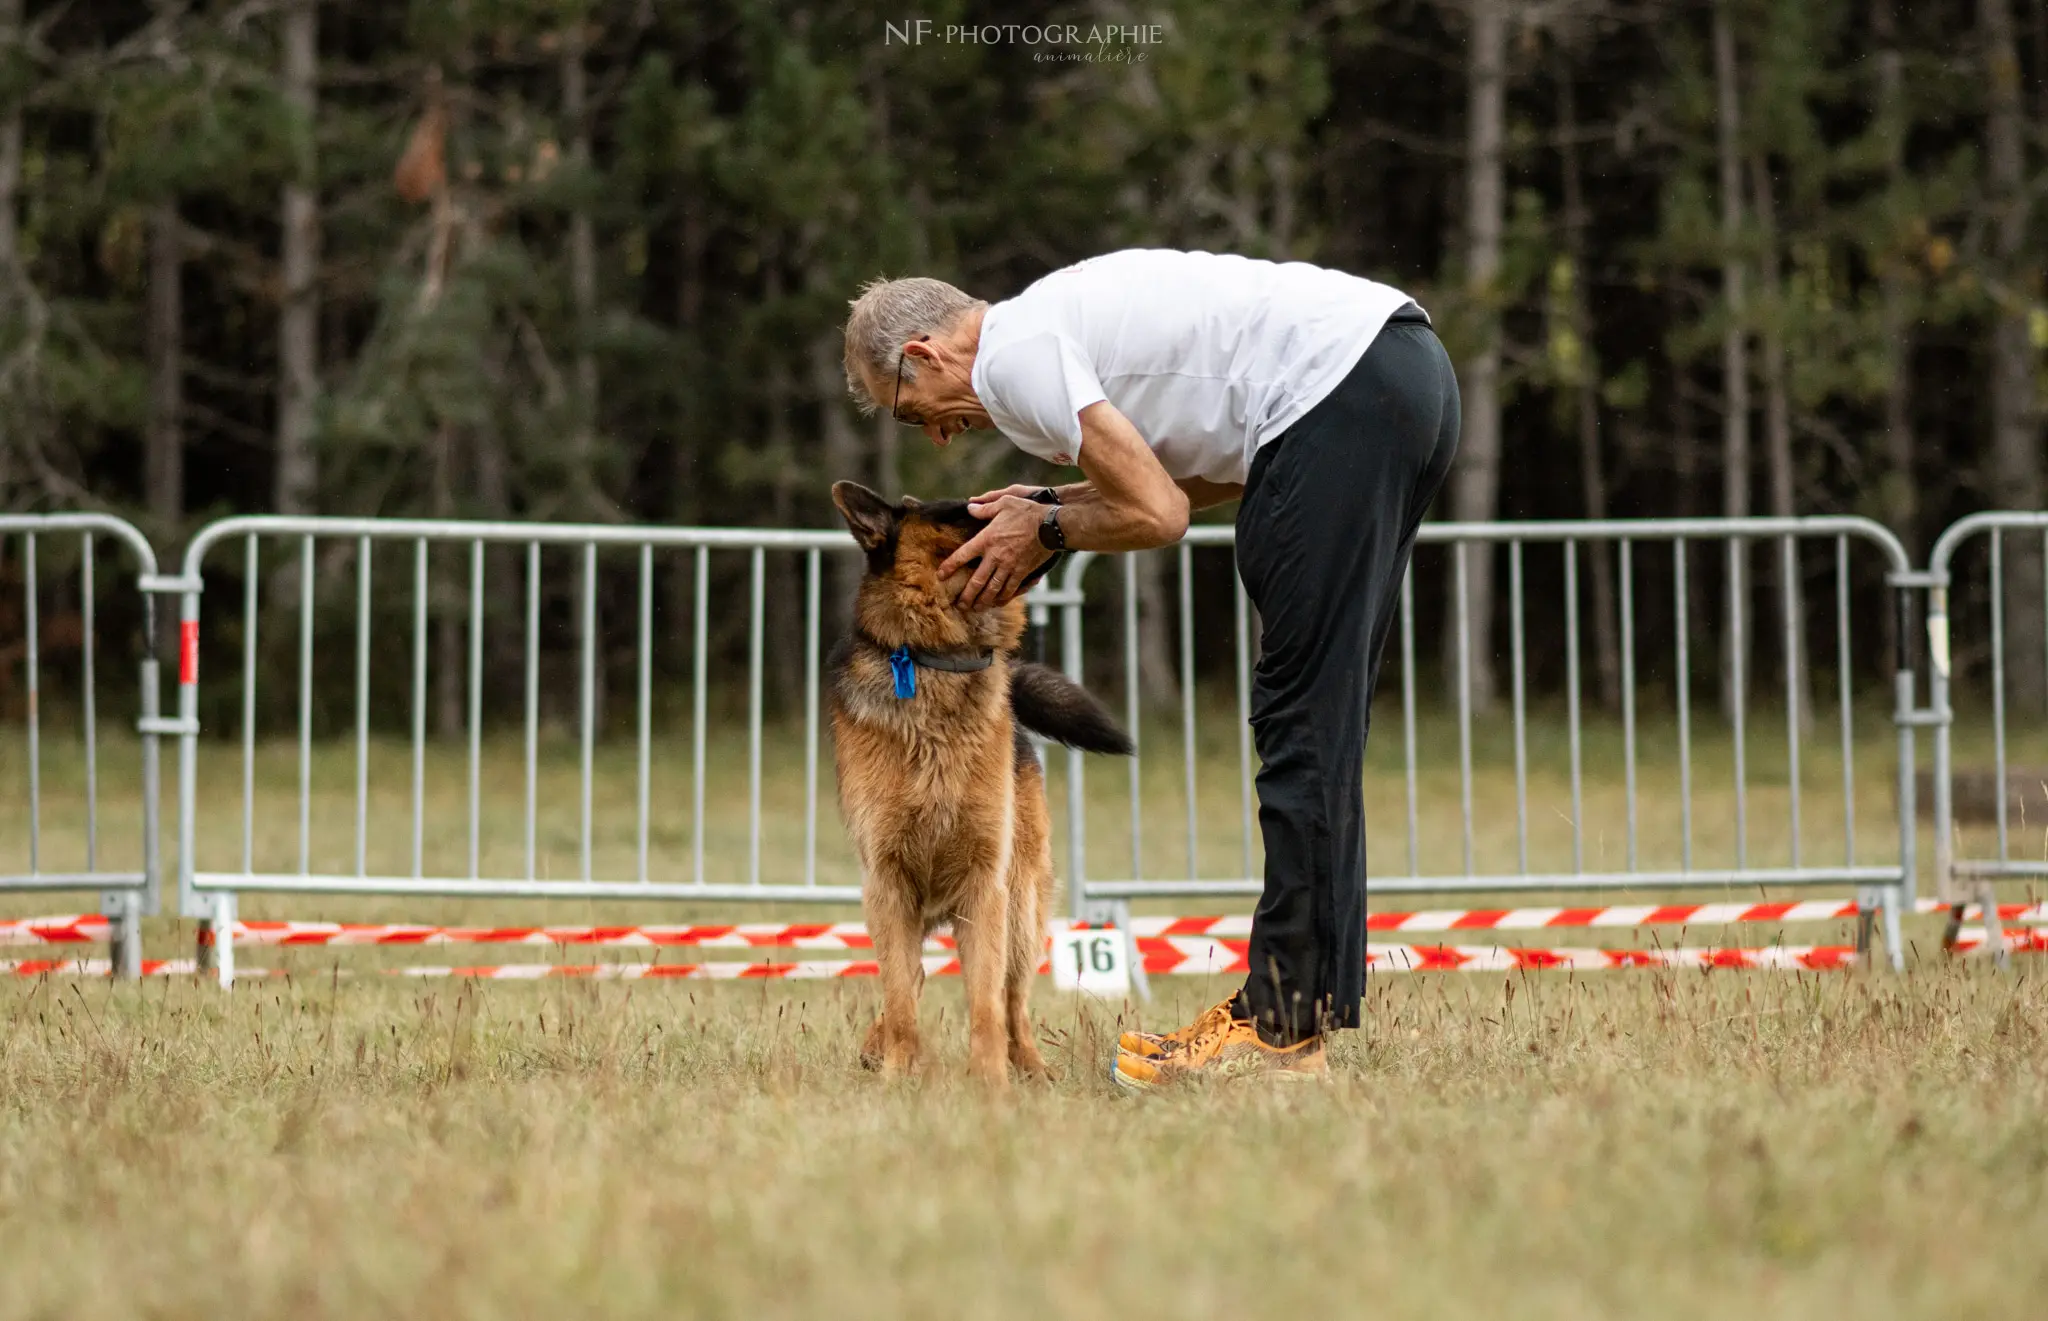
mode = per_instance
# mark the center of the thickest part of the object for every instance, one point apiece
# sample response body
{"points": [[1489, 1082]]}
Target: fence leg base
{"points": [[124, 935], [216, 954], [1994, 928], [1894, 904]]}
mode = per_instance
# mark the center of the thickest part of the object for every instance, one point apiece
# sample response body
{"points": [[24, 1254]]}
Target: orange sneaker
{"points": [[1152, 1045], [1229, 1049]]}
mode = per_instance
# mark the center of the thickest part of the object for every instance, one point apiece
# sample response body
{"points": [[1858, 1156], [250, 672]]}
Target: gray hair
{"points": [[889, 314]]}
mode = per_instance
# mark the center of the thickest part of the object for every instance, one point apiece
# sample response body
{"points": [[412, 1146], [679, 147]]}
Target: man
{"points": [[1324, 404]]}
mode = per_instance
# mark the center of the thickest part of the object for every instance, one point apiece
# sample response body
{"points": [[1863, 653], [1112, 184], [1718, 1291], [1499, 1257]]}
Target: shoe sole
{"points": [[1284, 1077]]}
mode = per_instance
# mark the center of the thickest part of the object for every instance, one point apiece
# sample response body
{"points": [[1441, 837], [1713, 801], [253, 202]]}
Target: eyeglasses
{"points": [[913, 420]]}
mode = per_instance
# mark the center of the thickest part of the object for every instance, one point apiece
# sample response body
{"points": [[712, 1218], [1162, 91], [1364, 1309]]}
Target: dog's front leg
{"points": [[897, 929], [983, 932]]}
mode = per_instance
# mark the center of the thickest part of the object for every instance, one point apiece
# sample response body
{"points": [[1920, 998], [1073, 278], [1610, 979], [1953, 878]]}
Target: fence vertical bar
{"points": [[419, 707], [1738, 610], [1132, 709], [363, 566], [1187, 694], [1408, 715], [1999, 790], [1938, 660], [189, 904], [644, 702], [1244, 716], [1842, 686], [91, 710], [756, 627], [128, 956], [1789, 595], [586, 723], [813, 576], [1518, 649], [476, 706], [1903, 718], [306, 705], [1628, 693], [250, 580], [1077, 804], [1571, 661], [1680, 580], [699, 632], [532, 704], [1461, 605], [35, 717]]}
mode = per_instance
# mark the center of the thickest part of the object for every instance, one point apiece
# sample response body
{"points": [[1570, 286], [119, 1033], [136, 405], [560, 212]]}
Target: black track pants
{"points": [[1324, 535]]}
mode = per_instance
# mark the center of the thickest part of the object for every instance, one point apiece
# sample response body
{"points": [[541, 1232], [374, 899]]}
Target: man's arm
{"points": [[1130, 504]]}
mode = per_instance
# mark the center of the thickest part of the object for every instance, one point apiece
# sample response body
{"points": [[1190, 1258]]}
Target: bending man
{"points": [[1324, 404]]}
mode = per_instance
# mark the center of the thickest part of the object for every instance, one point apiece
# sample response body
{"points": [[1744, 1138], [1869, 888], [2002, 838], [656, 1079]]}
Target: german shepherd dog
{"points": [[941, 790]]}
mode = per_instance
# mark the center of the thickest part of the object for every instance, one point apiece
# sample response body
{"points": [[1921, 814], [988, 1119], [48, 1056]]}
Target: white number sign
{"points": [[1096, 961]]}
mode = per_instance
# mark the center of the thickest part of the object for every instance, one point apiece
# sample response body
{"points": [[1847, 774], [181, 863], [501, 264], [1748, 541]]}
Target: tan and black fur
{"points": [[942, 791]]}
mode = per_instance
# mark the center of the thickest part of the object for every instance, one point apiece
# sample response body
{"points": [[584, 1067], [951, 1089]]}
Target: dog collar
{"points": [[905, 661]]}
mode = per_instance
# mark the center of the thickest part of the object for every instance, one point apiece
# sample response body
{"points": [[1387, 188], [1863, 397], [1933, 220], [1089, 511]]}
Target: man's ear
{"points": [[871, 518]]}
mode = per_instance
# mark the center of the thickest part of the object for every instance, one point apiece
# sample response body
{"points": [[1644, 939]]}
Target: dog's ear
{"points": [[871, 518]]}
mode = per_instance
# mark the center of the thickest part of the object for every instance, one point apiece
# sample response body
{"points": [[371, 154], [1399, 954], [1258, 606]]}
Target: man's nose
{"points": [[937, 434]]}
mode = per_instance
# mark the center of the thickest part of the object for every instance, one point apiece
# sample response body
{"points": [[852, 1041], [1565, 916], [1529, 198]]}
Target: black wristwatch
{"points": [[1049, 534]]}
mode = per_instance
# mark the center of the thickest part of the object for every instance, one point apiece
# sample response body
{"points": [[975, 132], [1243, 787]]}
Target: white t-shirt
{"points": [[1209, 356]]}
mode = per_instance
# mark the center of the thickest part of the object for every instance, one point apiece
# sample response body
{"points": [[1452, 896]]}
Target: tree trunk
{"points": [[1475, 485], [782, 612], [1900, 502], [1734, 347], [297, 478], [2016, 460], [582, 272], [842, 459], [10, 158], [682, 578], [163, 435], [1690, 464], [1586, 400], [163, 443], [10, 239], [1778, 437], [448, 595]]}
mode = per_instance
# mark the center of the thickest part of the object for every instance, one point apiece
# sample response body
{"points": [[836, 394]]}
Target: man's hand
{"points": [[1007, 548]]}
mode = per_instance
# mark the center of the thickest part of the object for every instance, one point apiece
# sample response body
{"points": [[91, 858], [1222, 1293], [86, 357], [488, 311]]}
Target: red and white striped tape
{"points": [[1163, 956], [81, 929], [93, 928]]}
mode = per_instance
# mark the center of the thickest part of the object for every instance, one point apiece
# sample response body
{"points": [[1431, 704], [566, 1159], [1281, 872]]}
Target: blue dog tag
{"points": [[905, 670]]}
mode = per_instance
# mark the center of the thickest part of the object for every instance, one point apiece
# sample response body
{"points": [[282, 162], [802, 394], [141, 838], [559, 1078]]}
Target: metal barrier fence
{"points": [[1962, 870], [1685, 815], [208, 891], [126, 892], [1684, 545]]}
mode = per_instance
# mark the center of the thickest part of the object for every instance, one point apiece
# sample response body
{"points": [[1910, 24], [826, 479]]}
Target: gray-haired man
{"points": [[1175, 381]]}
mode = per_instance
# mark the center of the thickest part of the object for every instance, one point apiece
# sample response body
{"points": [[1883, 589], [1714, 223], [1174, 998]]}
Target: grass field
{"points": [[1675, 1146], [344, 1144]]}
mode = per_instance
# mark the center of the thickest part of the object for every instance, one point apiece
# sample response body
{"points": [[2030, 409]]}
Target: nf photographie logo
{"points": [[1077, 42]]}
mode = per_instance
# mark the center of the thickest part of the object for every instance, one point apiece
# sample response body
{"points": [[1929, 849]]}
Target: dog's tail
{"points": [[1047, 702]]}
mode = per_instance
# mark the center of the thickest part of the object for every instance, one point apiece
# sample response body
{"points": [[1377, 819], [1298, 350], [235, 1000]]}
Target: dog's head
{"points": [[902, 596]]}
